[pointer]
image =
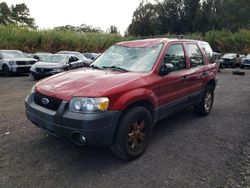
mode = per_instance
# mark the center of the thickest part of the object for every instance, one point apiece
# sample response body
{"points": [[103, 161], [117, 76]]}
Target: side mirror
{"points": [[166, 68]]}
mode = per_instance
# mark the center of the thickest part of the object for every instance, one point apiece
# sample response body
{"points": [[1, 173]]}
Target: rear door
{"points": [[197, 69], [173, 87]]}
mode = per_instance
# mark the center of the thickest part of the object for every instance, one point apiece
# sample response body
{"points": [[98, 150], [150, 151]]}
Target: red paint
{"points": [[125, 88]]}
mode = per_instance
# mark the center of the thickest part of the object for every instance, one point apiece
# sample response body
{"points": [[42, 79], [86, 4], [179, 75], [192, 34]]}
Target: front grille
{"points": [[23, 69], [53, 104], [25, 62], [43, 70], [247, 62]]}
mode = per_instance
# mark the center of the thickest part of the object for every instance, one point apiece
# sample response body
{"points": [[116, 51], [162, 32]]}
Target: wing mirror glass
{"points": [[166, 68]]}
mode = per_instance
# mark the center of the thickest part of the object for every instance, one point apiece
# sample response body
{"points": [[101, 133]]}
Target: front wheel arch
{"points": [[129, 119]]}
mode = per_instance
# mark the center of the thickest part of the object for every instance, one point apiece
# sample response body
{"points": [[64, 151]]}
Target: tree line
{"points": [[19, 14], [16, 14], [188, 16]]}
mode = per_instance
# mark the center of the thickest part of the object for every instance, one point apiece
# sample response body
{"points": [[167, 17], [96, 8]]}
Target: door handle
{"points": [[204, 74]]}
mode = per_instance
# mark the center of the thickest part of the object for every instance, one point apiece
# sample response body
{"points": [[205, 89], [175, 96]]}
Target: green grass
{"points": [[12, 37]]}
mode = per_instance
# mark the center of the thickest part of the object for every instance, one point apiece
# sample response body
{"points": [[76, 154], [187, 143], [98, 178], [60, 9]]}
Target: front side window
{"points": [[195, 55], [132, 59], [175, 56]]}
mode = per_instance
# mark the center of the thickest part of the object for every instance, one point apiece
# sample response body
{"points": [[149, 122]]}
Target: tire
{"points": [[242, 67], [132, 134], [206, 103], [6, 71], [36, 77]]}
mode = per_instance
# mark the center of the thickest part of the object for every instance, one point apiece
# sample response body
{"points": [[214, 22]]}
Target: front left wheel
{"points": [[132, 134]]}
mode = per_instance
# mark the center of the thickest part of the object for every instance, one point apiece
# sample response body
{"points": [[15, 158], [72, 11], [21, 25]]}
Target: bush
{"points": [[13, 37]]}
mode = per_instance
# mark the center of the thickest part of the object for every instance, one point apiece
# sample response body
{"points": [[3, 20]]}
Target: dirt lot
{"points": [[185, 151]]}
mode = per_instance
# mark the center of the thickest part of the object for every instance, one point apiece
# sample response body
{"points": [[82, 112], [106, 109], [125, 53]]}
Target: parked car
{"points": [[231, 60], [245, 62], [218, 60], [14, 61], [85, 61], [54, 64], [91, 56], [117, 101], [40, 56]]}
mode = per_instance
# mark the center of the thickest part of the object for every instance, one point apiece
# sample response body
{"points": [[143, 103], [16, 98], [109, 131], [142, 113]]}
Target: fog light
{"points": [[82, 139]]}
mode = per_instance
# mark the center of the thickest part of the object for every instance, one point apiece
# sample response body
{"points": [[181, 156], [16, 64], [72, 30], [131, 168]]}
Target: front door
{"points": [[173, 88]]}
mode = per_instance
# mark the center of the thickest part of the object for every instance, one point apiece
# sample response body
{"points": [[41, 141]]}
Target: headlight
{"points": [[33, 89], [80, 104], [12, 63]]}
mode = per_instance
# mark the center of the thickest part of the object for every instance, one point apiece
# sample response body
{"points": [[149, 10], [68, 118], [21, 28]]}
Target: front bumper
{"points": [[97, 128], [43, 74], [246, 64], [20, 69]]}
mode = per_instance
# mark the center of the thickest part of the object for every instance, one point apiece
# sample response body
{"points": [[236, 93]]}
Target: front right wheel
{"points": [[6, 71], [132, 134]]}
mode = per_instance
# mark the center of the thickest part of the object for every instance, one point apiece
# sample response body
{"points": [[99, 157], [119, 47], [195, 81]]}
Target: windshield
{"points": [[56, 59], [129, 59], [229, 56], [13, 54]]}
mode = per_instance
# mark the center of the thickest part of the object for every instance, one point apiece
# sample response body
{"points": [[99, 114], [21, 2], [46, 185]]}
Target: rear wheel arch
{"points": [[211, 83]]}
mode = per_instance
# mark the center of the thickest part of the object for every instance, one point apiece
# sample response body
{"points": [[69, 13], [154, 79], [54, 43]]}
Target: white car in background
{"points": [[14, 62]]}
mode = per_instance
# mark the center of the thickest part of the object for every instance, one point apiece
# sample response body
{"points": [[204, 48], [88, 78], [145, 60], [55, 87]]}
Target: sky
{"points": [[97, 13]]}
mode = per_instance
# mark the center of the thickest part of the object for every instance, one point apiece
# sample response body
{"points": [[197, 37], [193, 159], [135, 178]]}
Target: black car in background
{"points": [[229, 60], [54, 64], [245, 62], [85, 61], [14, 62], [40, 56], [91, 56]]}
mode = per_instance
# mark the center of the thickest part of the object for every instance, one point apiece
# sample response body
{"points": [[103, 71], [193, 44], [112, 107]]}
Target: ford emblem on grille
{"points": [[45, 101]]}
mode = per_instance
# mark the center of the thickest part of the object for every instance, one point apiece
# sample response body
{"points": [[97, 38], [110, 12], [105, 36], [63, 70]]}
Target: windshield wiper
{"points": [[95, 67], [116, 68]]}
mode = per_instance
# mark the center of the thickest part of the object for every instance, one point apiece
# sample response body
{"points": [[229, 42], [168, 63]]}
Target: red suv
{"points": [[132, 85]]}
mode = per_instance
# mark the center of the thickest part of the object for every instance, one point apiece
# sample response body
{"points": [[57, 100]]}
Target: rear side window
{"points": [[195, 55], [175, 56], [207, 48]]}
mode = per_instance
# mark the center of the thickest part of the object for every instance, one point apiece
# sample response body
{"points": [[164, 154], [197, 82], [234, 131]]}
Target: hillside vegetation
{"points": [[28, 40]]}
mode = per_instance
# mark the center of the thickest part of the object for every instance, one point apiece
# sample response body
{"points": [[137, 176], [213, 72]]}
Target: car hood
{"points": [[47, 65], [19, 59], [83, 82]]}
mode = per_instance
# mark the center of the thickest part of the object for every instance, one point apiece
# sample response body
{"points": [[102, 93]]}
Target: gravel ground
{"points": [[185, 150]]}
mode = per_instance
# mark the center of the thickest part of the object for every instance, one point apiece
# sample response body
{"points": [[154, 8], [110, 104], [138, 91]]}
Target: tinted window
{"points": [[72, 59], [175, 56], [208, 50], [195, 55]]}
